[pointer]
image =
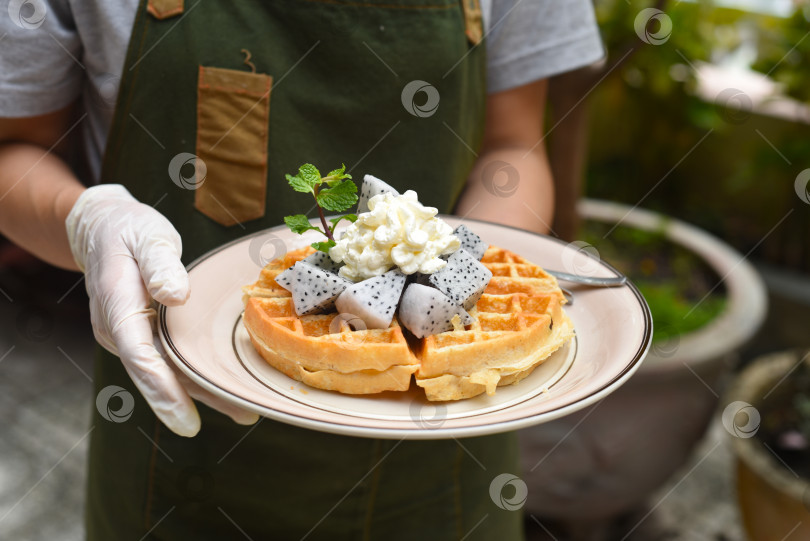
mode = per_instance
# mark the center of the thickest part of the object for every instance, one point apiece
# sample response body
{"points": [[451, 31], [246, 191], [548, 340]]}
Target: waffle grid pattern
{"points": [[277, 303], [513, 321], [335, 328], [519, 296]]}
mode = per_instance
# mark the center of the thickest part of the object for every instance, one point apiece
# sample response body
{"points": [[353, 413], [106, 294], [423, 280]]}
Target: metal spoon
{"points": [[589, 280], [569, 296]]}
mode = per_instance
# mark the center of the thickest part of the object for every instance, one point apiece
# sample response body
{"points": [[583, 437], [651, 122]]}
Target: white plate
{"points": [[206, 339]]}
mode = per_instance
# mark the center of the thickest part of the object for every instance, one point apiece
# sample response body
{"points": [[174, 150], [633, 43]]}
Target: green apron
{"points": [[338, 72]]}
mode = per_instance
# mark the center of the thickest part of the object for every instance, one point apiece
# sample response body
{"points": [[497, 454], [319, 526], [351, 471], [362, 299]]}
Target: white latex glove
{"points": [[130, 254]]}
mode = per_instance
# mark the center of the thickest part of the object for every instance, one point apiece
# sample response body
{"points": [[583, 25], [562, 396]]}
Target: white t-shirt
{"points": [[54, 51]]}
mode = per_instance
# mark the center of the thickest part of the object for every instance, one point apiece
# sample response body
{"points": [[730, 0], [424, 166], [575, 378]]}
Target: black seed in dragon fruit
{"points": [[470, 241], [373, 300], [463, 279], [314, 289], [425, 310], [372, 186], [284, 279], [318, 259]]}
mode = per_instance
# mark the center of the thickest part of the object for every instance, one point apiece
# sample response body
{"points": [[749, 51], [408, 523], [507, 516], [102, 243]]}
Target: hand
{"points": [[130, 255]]}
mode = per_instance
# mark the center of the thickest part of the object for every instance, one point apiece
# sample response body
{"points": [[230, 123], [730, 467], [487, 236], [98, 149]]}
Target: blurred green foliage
{"points": [[784, 52], [683, 292], [654, 143]]}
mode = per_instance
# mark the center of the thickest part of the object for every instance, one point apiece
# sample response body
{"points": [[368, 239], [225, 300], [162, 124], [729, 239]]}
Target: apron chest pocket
{"points": [[233, 108]]}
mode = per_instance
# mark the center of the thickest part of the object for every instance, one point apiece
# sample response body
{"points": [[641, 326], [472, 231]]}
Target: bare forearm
{"points": [[37, 191], [512, 186]]}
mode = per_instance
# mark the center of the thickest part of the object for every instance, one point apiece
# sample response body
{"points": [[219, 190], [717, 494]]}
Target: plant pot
{"points": [[607, 459], [774, 501]]}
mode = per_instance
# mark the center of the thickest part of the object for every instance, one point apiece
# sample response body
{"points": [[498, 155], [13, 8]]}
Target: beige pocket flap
{"points": [[233, 109]]}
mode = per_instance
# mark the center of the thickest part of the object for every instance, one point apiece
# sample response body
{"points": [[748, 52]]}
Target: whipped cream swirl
{"points": [[396, 231]]}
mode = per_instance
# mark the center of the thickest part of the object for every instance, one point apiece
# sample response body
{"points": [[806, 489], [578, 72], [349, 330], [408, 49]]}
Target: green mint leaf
{"points": [[351, 217], [310, 174], [339, 197], [334, 177], [299, 184], [323, 246], [337, 172], [331, 182], [335, 221], [299, 224]]}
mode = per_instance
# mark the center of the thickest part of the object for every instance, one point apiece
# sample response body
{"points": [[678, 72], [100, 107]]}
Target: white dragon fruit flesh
{"points": [[470, 241], [373, 300], [318, 259], [463, 279], [425, 310], [372, 186], [314, 289]]}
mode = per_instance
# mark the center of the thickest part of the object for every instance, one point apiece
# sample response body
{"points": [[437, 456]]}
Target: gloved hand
{"points": [[130, 254]]}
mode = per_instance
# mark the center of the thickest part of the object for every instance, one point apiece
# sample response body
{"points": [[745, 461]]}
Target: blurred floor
{"points": [[697, 504], [46, 400]]}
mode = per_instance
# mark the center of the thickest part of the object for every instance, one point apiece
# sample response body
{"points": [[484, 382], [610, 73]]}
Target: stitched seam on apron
{"points": [[151, 479], [472, 20], [375, 481], [233, 89], [381, 6], [125, 107], [457, 484]]}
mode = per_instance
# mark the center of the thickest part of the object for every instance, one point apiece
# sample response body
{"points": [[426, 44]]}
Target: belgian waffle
{"points": [[322, 350], [518, 323]]}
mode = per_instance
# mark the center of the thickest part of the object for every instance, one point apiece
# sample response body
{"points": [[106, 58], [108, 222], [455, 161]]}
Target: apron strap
{"points": [[164, 9], [473, 21]]}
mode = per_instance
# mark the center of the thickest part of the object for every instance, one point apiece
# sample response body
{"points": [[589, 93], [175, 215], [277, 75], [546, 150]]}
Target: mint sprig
{"points": [[339, 194]]}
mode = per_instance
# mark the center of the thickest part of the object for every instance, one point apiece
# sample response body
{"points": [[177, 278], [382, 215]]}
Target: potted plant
{"points": [[768, 418], [591, 466]]}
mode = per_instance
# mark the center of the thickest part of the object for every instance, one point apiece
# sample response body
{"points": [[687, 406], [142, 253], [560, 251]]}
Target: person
{"points": [[418, 92]]}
